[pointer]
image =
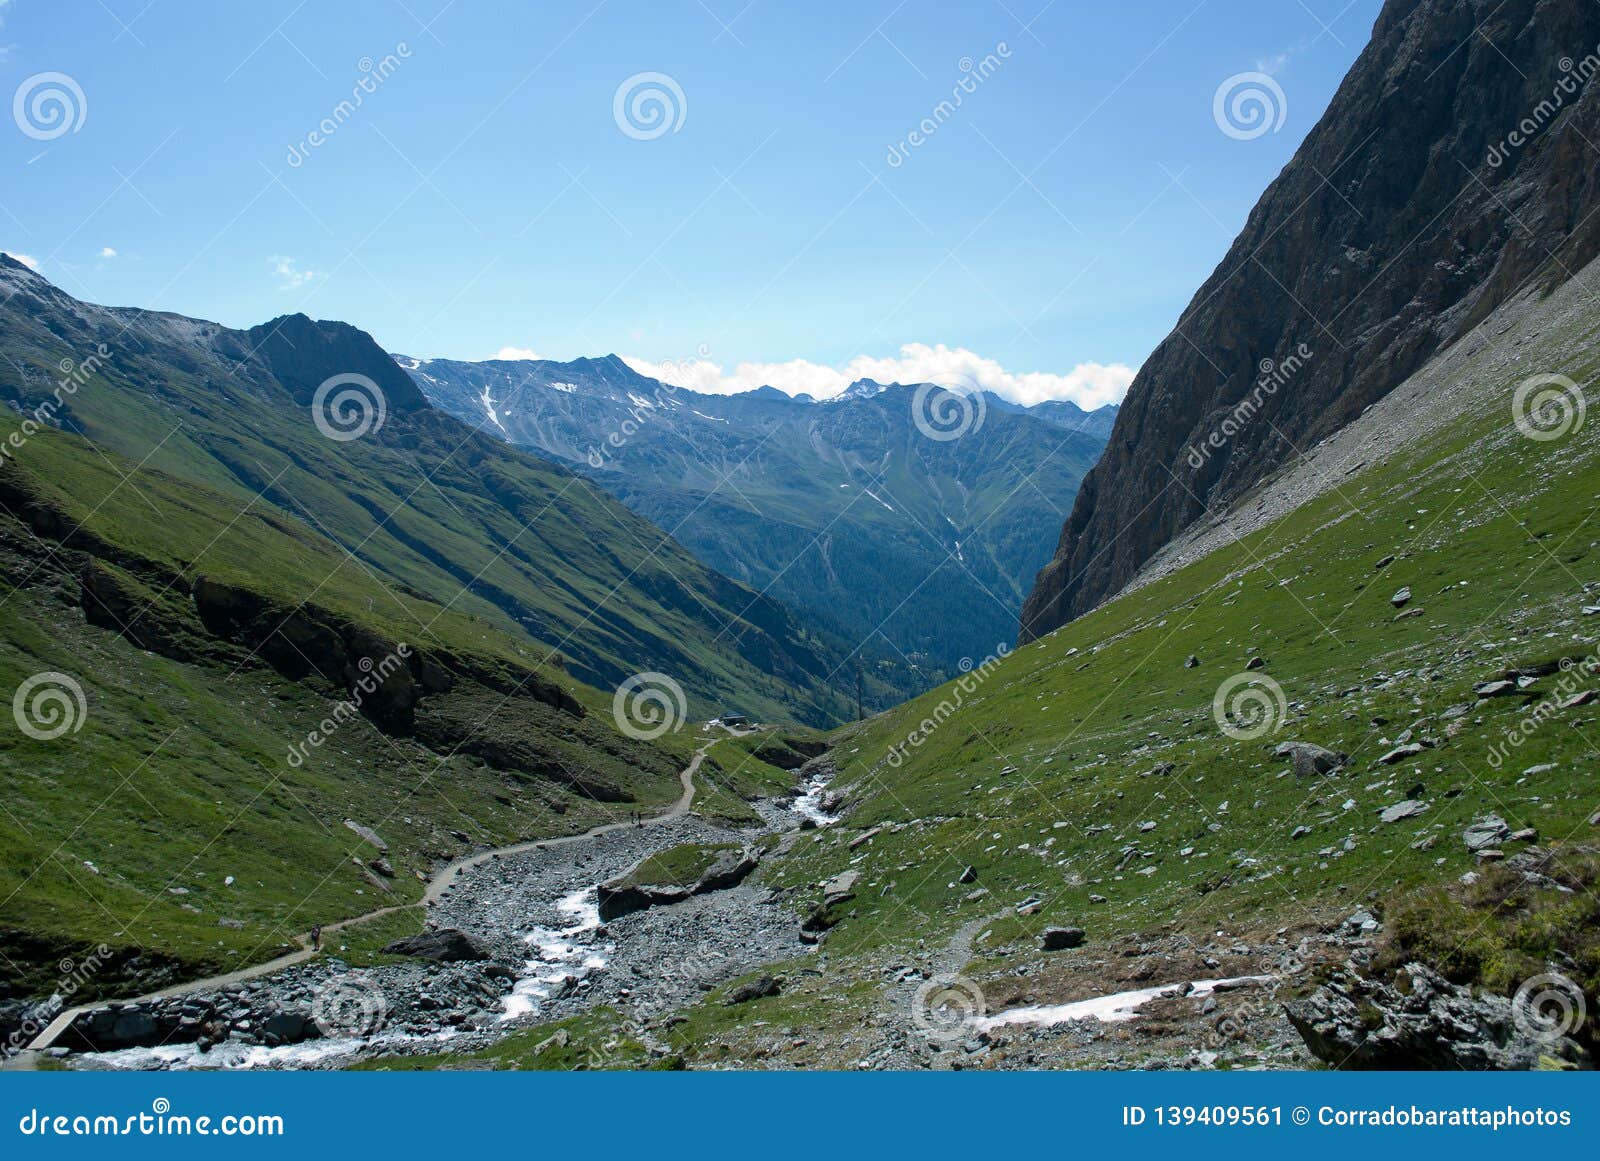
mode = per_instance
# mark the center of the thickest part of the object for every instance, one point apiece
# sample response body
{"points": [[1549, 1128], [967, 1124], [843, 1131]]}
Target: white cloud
{"points": [[290, 275], [1089, 385], [27, 260], [516, 353], [107, 252], [1275, 63]]}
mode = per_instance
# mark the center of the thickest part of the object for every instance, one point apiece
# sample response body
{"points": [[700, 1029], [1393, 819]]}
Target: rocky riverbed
{"points": [[517, 939]]}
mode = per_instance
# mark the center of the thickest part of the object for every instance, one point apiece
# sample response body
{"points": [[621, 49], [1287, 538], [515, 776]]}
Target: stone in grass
{"points": [[367, 834], [1362, 922], [1595, 821], [1310, 759], [1193, 662], [1402, 597], [1409, 808], [1579, 699], [1495, 689], [1061, 938], [1299, 832], [1400, 753], [840, 885], [968, 875], [1256, 663], [1385, 562], [756, 989], [1486, 832]]}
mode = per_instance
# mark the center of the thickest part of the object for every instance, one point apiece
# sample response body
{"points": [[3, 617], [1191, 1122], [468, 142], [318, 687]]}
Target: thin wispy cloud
{"points": [[290, 274]]}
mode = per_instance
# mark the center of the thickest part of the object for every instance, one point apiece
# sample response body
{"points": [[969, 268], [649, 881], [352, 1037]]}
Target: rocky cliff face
{"points": [[1455, 166]]}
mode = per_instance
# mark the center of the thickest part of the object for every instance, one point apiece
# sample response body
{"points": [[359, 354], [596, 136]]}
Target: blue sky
{"points": [[484, 196]]}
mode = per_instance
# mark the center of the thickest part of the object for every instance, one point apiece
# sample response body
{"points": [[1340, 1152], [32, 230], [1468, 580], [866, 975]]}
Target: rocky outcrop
{"points": [[1422, 1021], [627, 893], [1408, 214]]}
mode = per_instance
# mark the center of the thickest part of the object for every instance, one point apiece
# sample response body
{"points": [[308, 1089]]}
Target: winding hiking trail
{"points": [[438, 883]]}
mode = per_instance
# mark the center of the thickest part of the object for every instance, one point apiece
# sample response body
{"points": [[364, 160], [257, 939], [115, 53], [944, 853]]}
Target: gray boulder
{"points": [[1061, 938], [840, 885], [1309, 759], [755, 989], [1489, 831], [287, 1028], [446, 945], [1409, 808]]}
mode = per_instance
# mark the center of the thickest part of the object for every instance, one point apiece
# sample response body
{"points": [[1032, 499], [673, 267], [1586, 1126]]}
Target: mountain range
{"points": [[917, 541]]}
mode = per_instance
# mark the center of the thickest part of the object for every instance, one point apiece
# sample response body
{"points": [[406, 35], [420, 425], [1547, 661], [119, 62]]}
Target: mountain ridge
{"points": [[431, 505], [1429, 227]]}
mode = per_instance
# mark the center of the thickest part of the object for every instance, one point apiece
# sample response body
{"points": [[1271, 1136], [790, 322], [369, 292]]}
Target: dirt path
{"points": [[438, 884]]}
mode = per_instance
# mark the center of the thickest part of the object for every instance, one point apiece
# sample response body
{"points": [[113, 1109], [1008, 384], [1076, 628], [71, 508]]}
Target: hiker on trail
{"points": [[316, 938]]}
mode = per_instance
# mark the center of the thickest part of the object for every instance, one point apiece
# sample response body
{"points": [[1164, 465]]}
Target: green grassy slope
{"points": [[177, 778], [1046, 775], [422, 504]]}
